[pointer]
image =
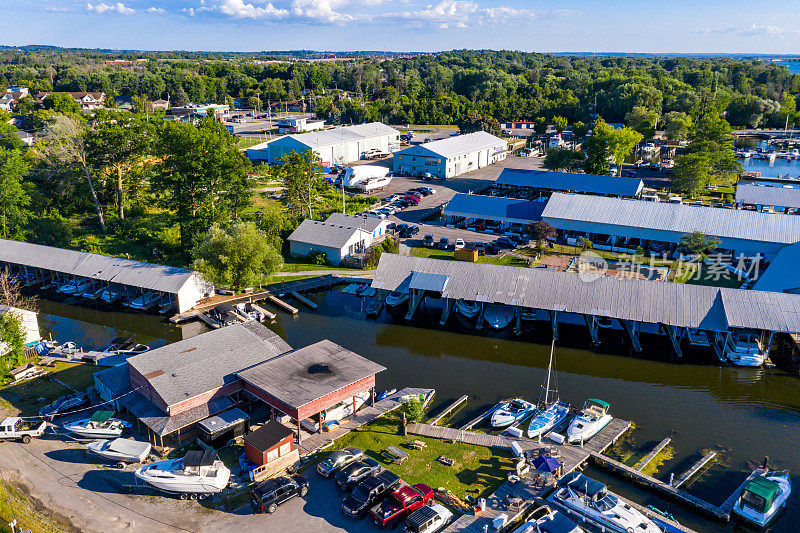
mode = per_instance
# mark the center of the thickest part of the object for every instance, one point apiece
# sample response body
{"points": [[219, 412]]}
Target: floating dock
{"points": [[449, 409], [652, 455], [683, 479], [283, 305], [302, 299]]}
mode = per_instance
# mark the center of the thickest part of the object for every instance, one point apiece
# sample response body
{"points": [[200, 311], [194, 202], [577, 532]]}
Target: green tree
{"points": [[710, 141], [584, 243], [540, 126], [558, 159], [14, 200], [691, 173], [676, 124], [12, 342], [643, 120], [472, 122], [580, 129], [542, 231], [621, 143], [699, 244], [299, 174], [61, 103], [202, 177], [560, 124], [414, 410], [597, 149], [117, 143], [239, 256]]}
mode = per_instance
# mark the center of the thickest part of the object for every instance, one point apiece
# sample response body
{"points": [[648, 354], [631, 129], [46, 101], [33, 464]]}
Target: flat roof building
{"points": [[334, 146], [740, 231], [504, 211], [452, 156], [535, 184], [780, 198]]}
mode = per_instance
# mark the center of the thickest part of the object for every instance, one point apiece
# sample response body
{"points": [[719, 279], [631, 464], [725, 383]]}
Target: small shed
{"points": [[268, 443], [26, 371], [219, 430]]}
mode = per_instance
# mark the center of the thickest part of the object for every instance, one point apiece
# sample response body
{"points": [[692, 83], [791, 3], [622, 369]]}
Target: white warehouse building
{"points": [[335, 146], [451, 157]]}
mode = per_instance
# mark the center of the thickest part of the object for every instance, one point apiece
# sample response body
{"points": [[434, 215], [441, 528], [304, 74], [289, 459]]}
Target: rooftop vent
{"points": [[319, 369]]}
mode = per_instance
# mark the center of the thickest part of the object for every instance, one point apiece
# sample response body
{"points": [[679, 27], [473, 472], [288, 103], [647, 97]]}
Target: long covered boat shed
{"points": [[180, 288], [486, 211], [540, 184], [740, 231], [674, 308]]}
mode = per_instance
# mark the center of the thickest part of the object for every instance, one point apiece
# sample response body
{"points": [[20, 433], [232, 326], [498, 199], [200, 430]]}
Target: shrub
{"points": [[318, 258]]}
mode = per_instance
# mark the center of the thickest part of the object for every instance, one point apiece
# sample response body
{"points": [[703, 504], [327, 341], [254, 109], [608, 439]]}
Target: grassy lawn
{"points": [[30, 513], [435, 253], [690, 275], [247, 142], [299, 264], [477, 471], [29, 396]]}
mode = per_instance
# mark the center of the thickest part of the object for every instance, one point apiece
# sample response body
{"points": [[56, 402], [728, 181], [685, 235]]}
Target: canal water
{"points": [[767, 168], [743, 414]]}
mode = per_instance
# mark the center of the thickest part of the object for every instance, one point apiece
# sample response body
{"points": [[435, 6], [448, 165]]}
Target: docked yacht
{"points": [[101, 425], [552, 522], [593, 501], [746, 348], [111, 295], [498, 316], [198, 472], [592, 418], [468, 309], [762, 498], [395, 299], [120, 450], [553, 412], [510, 412], [144, 301], [125, 346]]}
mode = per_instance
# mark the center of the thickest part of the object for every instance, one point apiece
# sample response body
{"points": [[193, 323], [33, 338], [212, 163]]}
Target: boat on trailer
{"points": [[120, 450], [101, 425], [197, 473]]}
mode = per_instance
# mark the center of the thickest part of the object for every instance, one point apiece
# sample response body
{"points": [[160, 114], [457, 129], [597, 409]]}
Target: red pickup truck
{"points": [[401, 503]]}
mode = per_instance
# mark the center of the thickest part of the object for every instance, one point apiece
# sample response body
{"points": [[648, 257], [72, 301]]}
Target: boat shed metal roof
{"points": [[675, 218], [747, 193], [782, 274], [95, 266], [458, 145], [325, 234], [509, 210], [329, 137], [571, 182], [674, 304]]}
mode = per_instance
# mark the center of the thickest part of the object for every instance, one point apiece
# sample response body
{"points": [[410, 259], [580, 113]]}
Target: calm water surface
{"points": [[743, 414]]}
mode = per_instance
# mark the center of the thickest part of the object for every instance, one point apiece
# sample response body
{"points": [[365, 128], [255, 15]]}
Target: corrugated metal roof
{"points": [[570, 182], [290, 377], [460, 144], [208, 361], [358, 221], [674, 304], [494, 208], [428, 282], [320, 138], [782, 274], [747, 193], [95, 266], [679, 218], [324, 234]]}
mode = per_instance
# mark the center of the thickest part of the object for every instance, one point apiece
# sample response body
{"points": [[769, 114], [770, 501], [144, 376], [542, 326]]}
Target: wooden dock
{"points": [[478, 419], [269, 314], [449, 409], [699, 465], [652, 455], [666, 489], [309, 284], [283, 305], [302, 299]]}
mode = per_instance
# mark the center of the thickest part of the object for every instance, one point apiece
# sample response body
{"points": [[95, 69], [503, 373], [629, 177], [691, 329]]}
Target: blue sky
{"points": [[250, 25]]}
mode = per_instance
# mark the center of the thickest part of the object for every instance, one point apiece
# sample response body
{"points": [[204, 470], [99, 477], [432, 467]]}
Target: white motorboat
{"points": [[68, 287], [592, 418], [591, 500], [762, 498], [126, 346], [553, 413], [498, 316], [93, 293], [198, 472], [510, 412], [468, 309], [250, 311], [144, 301], [101, 425], [120, 450], [552, 522], [394, 299], [746, 348], [110, 295], [371, 184]]}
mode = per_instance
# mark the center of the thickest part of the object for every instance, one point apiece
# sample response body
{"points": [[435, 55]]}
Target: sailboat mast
{"points": [[549, 370]]}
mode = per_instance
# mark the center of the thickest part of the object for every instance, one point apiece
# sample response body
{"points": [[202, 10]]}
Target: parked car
{"points": [[413, 199], [480, 247], [518, 240], [505, 242], [276, 491], [339, 459], [400, 228], [410, 231], [459, 244], [429, 189], [428, 241], [356, 472], [444, 243], [391, 226], [369, 493], [493, 248], [15, 428], [428, 519], [400, 504], [70, 402]]}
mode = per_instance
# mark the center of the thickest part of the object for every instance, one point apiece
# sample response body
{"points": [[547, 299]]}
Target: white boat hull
{"points": [[394, 300], [762, 520], [160, 476], [547, 419], [88, 433], [104, 449], [498, 316], [581, 430], [620, 519], [503, 417]]}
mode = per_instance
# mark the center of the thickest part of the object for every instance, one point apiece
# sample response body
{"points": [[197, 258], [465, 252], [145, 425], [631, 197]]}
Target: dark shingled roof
{"points": [[268, 435], [186, 368], [288, 379]]}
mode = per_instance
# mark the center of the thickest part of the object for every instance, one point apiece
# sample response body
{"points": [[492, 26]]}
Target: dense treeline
{"points": [[434, 89]]}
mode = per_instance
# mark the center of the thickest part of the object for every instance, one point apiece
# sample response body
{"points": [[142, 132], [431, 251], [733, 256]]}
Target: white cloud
{"points": [[101, 8], [157, 10], [322, 11], [768, 31], [465, 13], [240, 9]]}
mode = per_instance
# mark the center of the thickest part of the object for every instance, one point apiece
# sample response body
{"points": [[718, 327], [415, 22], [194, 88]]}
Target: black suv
{"points": [[369, 492], [269, 495]]}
